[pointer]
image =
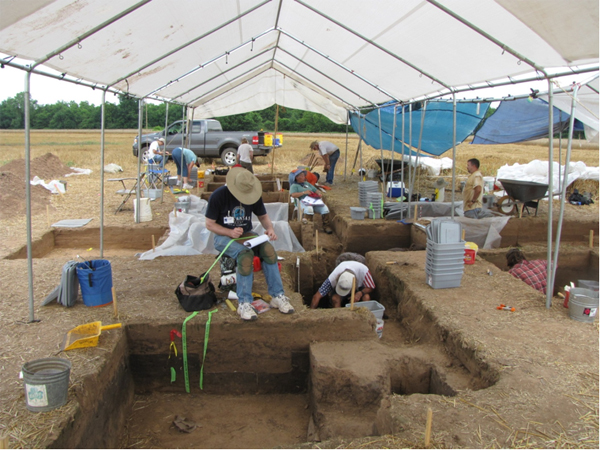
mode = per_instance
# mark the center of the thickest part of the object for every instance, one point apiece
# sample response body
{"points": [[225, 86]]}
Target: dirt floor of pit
{"points": [[265, 421]]}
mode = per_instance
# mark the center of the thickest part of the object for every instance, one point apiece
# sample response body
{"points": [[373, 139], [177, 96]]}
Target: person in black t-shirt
{"points": [[229, 217]]}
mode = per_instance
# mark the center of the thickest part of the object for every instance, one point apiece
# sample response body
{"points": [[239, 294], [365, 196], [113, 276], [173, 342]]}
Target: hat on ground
{"points": [[244, 185], [440, 183], [314, 144], [161, 140], [344, 283]]}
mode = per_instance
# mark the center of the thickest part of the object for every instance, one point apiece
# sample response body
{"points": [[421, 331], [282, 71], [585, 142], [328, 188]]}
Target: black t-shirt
{"points": [[227, 210]]}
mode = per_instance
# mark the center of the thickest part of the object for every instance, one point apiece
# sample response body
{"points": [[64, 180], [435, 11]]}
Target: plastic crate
{"points": [[445, 247], [374, 306], [443, 281], [444, 270], [457, 258]]}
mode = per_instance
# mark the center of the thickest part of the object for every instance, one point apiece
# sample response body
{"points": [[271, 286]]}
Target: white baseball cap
{"points": [[344, 283]]}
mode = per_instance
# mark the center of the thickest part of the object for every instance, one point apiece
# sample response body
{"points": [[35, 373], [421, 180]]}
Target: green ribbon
{"points": [[206, 333], [184, 344]]}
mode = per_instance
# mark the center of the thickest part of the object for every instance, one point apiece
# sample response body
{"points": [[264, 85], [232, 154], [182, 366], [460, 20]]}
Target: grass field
{"points": [[82, 149]]}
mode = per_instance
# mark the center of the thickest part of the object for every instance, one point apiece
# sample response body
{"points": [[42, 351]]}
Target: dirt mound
{"points": [[12, 184]]}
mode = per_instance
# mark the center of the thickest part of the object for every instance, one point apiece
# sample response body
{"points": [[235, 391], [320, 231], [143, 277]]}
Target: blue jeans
{"points": [[156, 159], [244, 283], [332, 160]]}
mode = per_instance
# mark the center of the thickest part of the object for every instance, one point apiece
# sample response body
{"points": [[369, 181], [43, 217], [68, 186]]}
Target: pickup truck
{"points": [[206, 139]]}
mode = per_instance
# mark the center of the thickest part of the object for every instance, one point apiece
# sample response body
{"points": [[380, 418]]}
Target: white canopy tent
{"points": [[326, 56]]}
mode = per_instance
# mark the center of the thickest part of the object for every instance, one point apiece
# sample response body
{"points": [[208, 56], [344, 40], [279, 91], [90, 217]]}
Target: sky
{"points": [[47, 90]]}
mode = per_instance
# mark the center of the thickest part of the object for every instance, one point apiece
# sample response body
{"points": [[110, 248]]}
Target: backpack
{"points": [[195, 295]]}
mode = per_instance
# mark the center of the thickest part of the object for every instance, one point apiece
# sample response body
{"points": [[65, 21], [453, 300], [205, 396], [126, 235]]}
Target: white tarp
{"points": [[327, 56], [188, 234], [586, 107], [537, 171]]}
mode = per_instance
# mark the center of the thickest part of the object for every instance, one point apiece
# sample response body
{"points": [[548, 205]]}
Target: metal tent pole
{"points": [[381, 152], [164, 158], [138, 190], [402, 173], [346, 158], [102, 112], [28, 194], [549, 276], [453, 152], [563, 194], [392, 148], [410, 181], [424, 110], [362, 132]]}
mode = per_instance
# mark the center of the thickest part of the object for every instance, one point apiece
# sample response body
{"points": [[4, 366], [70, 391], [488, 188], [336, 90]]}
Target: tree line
{"points": [[124, 114]]}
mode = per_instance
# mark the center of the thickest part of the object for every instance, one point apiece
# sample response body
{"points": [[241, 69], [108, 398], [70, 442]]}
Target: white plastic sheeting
{"points": [[188, 234], [537, 171], [586, 110], [327, 56]]}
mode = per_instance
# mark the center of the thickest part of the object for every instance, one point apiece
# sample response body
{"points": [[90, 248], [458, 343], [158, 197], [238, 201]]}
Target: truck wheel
{"points": [[229, 156], [145, 154]]}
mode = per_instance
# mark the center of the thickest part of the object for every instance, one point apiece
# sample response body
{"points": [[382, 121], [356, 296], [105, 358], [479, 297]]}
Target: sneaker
{"points": [[187, 186], [283, 304], [246, 311]]}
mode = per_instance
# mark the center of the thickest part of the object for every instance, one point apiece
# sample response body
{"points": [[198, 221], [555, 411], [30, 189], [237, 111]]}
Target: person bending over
{"points": [[339, 285], [185, 160], [330, 154], [534, 272]]}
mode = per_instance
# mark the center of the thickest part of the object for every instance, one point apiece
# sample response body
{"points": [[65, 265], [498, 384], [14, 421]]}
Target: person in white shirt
{"points": [[155, 154], [245, 155], [330, 154], [339, 285]]}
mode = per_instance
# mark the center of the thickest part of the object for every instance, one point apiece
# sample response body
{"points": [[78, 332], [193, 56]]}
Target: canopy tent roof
{"points": [[326, 56]]}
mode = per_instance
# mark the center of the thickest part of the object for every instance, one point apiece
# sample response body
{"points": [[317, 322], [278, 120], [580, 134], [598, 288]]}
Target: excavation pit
{"points": [[118, 241]]}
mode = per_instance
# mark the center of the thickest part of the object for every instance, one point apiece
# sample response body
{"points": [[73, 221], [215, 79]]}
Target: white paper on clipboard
{"points": [[310, 201], [251, 243]]}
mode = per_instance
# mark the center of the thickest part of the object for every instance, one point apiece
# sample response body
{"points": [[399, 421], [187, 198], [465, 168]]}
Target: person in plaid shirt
{"points": [[531, 272]]}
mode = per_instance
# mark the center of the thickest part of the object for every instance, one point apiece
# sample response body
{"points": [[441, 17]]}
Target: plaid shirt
{"points": [[532, 272]]}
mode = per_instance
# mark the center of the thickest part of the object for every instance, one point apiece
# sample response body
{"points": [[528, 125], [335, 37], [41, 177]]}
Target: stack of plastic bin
{"points": [[444, 265]]}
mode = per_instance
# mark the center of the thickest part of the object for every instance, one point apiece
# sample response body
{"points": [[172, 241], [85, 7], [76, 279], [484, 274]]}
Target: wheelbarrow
{"points": [[521, 194]]}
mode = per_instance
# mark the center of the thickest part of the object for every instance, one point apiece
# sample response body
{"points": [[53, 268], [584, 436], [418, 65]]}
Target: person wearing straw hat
{"points": [[330, 154], [339, 285], [229, 217], [440, 189], [473, 193]]}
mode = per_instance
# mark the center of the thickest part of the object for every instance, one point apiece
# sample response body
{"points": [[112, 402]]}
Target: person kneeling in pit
{"points": [[229, 217], [341, 280], [299, 189]]}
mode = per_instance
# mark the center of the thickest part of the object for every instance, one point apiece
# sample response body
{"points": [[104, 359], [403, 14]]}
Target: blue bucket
{"points": [[95, 279]]}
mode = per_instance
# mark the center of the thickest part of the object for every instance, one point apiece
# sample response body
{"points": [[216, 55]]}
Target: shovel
{"points": [[86, 335]]}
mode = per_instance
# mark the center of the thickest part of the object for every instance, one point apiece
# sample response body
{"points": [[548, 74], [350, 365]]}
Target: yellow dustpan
{"points": [[86, 335]]}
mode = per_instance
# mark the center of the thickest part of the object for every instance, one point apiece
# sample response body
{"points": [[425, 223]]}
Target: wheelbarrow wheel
{"points": [[506, 205]]}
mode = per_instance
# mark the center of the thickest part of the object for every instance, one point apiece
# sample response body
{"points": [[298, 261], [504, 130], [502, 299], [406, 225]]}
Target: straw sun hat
{"points": [[244, 185]]}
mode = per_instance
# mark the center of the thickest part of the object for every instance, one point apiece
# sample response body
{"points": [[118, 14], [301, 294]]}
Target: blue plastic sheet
{"points": [[437, 127], [520, 120]]}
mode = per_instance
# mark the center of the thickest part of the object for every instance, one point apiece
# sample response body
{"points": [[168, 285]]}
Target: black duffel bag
{"points": [[196, 295]]}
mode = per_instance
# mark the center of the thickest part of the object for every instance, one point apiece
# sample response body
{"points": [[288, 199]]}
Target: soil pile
{"points": [[12, 185]]}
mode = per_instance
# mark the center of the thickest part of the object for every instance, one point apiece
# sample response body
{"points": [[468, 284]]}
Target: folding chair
{"points": [[156, 176], [126, 192]]}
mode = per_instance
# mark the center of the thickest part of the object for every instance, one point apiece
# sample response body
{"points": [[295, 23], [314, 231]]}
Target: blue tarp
{"points": [[520, 120], [437, 127]]}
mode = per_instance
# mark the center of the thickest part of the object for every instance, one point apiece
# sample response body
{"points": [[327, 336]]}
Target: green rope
{"points": [[206, 333], [219, 257]]}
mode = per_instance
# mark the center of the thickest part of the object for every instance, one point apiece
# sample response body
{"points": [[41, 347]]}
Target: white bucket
{"points": [[488, 184], [145, 209]]}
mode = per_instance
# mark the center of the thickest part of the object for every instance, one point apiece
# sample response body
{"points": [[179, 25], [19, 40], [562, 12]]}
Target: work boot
{"points": [[326, 224]]}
